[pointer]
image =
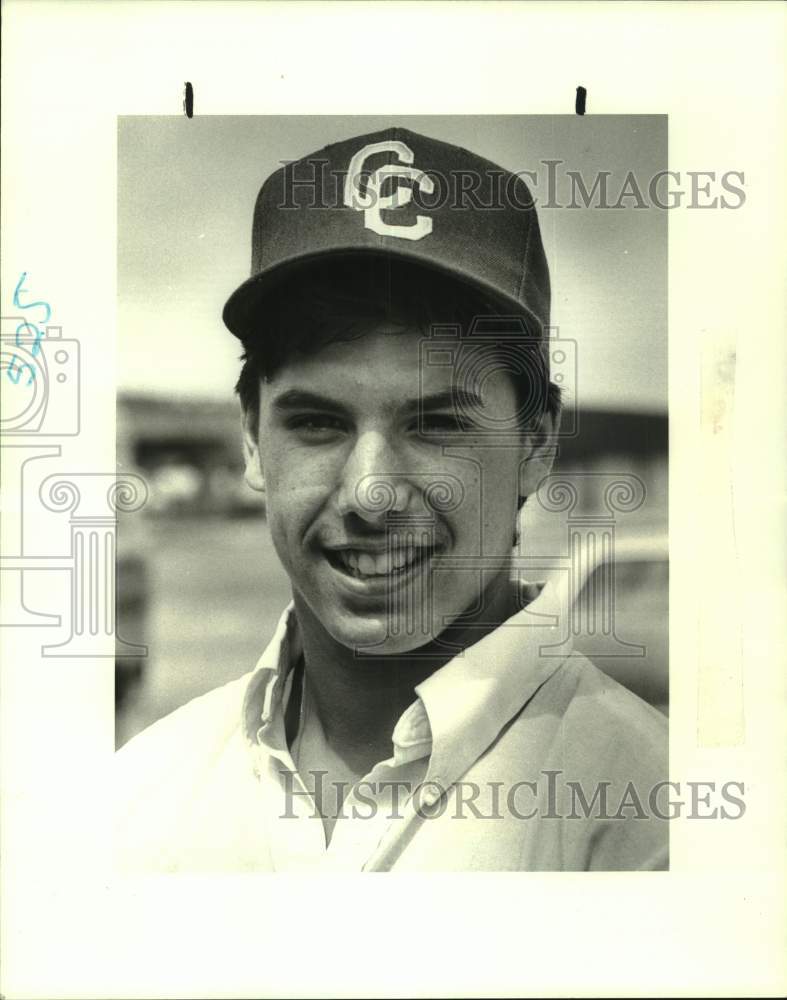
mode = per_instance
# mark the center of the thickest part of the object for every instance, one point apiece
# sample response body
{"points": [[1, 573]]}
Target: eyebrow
{"points": [[302, 399], [456, 396]]}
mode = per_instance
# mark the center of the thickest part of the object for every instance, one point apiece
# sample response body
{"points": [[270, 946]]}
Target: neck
{"points": [[359, 699]]}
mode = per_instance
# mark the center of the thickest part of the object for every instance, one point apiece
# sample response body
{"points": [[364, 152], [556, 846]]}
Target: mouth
{"points": [[393, 564]]}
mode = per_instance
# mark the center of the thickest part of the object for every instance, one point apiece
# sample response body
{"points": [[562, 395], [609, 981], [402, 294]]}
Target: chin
{"points": [[371, 635]]}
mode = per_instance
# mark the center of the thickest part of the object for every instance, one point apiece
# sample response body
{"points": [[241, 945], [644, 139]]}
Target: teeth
{"points": [[366, 564], [378, 564]]}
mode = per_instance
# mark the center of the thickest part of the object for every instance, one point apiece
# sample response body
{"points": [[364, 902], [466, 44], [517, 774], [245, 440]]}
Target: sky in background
{"points": [[186, 192]]}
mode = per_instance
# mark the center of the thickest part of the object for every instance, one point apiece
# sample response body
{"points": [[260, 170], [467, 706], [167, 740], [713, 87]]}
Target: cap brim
{"points": [[241, 313]]}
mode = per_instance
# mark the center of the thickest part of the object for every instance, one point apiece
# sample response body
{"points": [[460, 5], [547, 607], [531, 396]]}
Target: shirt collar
{"points": [[263, 703], [471, 699], [459, 710]]}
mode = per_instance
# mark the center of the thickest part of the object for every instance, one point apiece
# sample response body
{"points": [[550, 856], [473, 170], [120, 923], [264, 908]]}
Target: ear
{"points": [[540, 451], [251, 451]]}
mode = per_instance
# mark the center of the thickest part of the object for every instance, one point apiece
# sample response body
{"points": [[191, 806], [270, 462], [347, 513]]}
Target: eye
{"points": [[316, 426]]}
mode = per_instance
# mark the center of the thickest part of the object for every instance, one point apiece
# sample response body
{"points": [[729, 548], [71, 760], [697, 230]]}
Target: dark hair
{"points": [[338, 299]]}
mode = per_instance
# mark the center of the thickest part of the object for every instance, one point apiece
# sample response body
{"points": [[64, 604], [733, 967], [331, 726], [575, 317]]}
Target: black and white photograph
{"points": [[404, 593], [392, 503]]}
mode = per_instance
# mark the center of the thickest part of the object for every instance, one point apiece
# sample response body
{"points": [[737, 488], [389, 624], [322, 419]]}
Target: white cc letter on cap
{"points": [[371, 202]]}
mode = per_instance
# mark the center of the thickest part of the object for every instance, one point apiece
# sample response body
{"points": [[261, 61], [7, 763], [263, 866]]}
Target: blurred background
{"points": [[198, 581]]}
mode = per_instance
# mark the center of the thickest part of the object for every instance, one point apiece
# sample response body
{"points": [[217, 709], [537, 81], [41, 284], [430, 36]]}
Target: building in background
{"points": [[189, 452]]}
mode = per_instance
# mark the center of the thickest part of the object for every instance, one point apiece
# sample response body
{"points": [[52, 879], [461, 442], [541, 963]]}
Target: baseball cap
{"points": [[406, 196]]}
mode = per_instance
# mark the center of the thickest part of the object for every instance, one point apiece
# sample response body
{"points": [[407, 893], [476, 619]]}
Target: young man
{"points": [[411, 711]]}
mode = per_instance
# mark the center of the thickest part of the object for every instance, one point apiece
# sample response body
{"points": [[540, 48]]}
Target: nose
{"points": [[373, 483]]}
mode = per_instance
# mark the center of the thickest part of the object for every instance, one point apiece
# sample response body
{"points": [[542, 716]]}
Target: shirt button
{"points": [[432, 793]]}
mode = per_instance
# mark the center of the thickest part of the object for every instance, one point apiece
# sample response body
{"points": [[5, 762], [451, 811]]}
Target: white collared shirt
{"points": [[517, 755]]}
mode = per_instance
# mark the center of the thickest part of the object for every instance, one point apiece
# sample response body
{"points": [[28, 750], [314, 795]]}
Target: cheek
{"points": [[489, 482], [289, 511], [497, 505], [297, 487], [502, 494]]}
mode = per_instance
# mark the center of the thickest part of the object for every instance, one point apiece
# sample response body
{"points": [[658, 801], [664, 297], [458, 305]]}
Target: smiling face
{"points": [[375, 518]]}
